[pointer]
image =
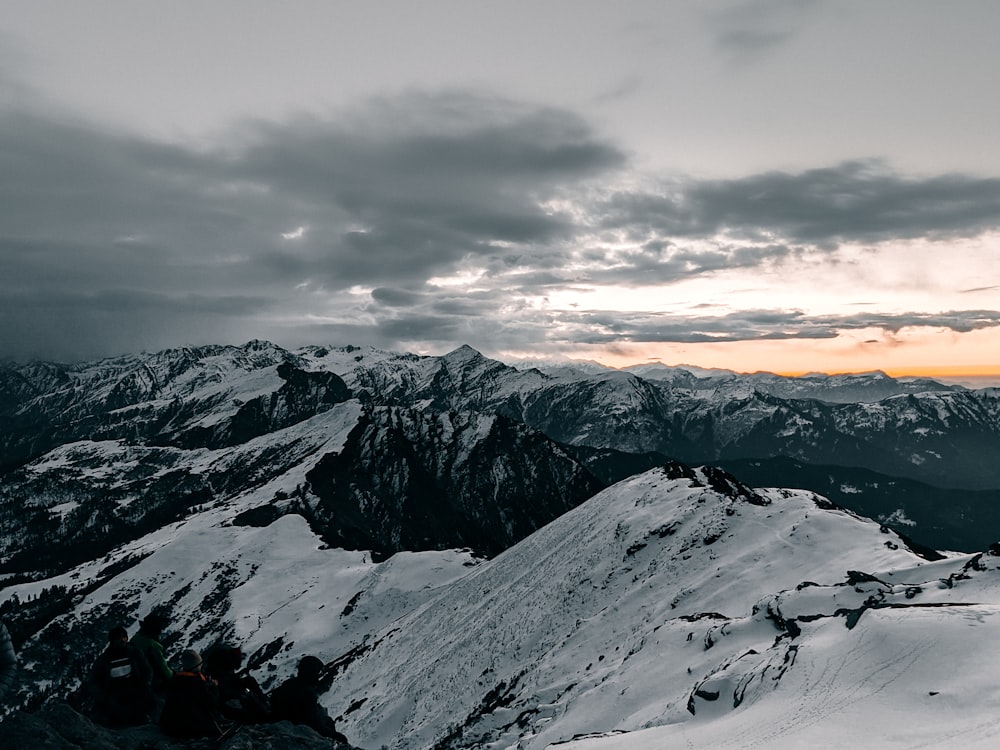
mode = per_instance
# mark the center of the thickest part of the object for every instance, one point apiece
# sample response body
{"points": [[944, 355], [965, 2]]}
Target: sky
{"points": [[779, 185]]}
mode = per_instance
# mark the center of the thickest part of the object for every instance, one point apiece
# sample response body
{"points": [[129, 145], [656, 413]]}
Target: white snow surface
{"points": [[649, 617], [581, 630], [261, 584]]}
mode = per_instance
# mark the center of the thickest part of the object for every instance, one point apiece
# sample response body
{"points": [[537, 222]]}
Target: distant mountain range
{"points": [[322, 499], [394, 451]]}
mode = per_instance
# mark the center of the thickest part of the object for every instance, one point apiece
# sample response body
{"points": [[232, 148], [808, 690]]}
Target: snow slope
{"points": [[674, 610], [277, 591]]}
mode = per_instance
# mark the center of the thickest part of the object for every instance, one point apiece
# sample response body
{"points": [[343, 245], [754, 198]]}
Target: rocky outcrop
{"points": [[58, 727]]}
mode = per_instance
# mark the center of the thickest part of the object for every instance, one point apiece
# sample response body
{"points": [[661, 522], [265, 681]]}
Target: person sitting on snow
{"points": [[240, 694]]}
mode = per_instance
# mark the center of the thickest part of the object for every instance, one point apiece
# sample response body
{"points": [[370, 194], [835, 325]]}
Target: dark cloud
{"points": [[396, 297], [978, 289], [439, 303], [428, 179], [339, 229], [472, 305], [386, 196], [755, 325], [70, 327], [497, 322], [663, 262], [859, 201], [125, 301], [422, 328], [960, 321]]}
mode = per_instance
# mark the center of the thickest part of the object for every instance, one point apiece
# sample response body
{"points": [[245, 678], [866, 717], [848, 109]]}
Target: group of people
{"points": [[135, 684]]}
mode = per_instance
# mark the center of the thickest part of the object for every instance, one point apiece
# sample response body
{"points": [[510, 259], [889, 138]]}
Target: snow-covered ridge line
{"points": [[593, 623]]}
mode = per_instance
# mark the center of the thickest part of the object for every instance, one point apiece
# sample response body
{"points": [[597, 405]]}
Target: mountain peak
{"points": [[464, 353]]}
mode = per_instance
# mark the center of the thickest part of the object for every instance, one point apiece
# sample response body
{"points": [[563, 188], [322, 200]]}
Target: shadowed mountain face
{"points": [[415, 480]]}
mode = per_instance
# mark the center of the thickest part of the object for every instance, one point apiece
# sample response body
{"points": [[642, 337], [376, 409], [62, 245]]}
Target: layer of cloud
{"points": [[443, 218], [505, 325], [858, 201]]}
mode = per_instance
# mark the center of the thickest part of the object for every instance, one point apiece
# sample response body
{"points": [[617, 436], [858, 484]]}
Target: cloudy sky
{"points": [[783, 185]]}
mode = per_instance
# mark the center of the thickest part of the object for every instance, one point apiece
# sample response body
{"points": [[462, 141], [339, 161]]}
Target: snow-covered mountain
{"points": [[107, 450], [840, 389], [224, 395], [677, 601], [441, 530], [921, 430], [677, 607]]}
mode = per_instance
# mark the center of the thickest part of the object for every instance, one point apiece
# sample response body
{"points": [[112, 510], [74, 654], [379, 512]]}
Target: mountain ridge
{"points": [[216, 397], [624, 553], [441, 531]]}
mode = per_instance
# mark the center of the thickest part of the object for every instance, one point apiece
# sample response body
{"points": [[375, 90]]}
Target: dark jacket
{"points": [[297, 700], [191, 707], [241, 696], [8, 661], [122, 677]]}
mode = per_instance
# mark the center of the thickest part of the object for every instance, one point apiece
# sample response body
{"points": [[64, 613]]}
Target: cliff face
{"points": [[409, 479]]}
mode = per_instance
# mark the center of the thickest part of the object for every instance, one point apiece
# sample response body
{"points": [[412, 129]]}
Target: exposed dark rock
{"points": [[261, 516], [56, 726], [726, 484], [678, 470], [410, 480], [787, 626], [854, 577]]}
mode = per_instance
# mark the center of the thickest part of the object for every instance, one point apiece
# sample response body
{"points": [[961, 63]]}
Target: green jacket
{"points": [[152, 649]]}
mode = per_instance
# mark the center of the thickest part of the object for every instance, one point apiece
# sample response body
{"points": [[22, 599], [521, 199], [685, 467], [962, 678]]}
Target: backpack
{"points": [[119, 669]]}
